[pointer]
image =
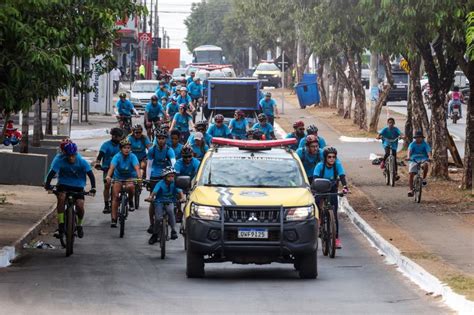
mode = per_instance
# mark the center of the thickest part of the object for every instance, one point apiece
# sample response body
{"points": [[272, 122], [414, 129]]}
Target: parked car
{"points": [[141, 92], [177, 73], [399, 91], [268, 73]]}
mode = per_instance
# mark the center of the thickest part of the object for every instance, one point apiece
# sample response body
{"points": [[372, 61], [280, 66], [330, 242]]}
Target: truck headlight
{"points": [[205, 212], [299, 213], [276, 75]]}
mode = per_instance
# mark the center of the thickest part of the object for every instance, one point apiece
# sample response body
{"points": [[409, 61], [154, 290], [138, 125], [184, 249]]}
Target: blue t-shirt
{"points": [[199, 151], [160, 93], [266, 130], [165, 193], [177, 150], [139, 146], [71, 174], [310, 160], [222, 132], [189, 169], [161, 158], [331, 173], [172, 109], [124, 108], [322, 142], [109, 148], [239, 128], [182, 122], [419, 152], [189, 80], [207, 139], [292, 135], [154, 111], [184, 100], [195, 90], [390, 134], [268, 108], [124, 166]]}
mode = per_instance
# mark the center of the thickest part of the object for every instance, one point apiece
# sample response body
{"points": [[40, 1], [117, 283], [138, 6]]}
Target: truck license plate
{"points": [[252, 233], [400, 86]]}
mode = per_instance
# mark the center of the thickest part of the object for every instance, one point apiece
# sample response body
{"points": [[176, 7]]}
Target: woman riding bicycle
{"points": [[182, 121], [199, 147], [331, 169], [218, 128], [390, 136], [310, 155], [238, 125], [201, 126], [124, 167], [140, 144]]}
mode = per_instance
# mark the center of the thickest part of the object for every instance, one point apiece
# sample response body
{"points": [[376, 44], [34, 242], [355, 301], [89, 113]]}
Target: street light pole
{"points": [[283, 82]]}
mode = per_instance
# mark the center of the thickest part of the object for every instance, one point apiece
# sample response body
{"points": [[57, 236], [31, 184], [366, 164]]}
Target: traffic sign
{"points": [[279, 62], [404, 65], [145, 38]]}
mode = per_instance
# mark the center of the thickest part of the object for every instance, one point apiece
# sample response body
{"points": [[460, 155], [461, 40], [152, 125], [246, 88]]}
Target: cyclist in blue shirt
{"points": [[218, 128], [201, 126], [418, 151], [106, 152], [164, 199], [190, 79], [298, 133], [187, 165], [269, 107], [71, 170], [140, 144], [185, 99], [172, 108], [175, 145], [310, 156], [153, 113], [199, 147], [162, 91], [388, 135], [238, 125], [123, 167], [331, 169], [183, 121], [195, 89], [124, 109], [264, 127], [313, 130]]}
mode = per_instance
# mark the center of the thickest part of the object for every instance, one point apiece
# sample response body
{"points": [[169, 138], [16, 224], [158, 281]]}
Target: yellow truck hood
{"points": [[217, 196]]}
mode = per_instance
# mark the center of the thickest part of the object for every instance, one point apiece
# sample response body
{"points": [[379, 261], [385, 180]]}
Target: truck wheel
{"points": [[194, 264], [308, 266]]}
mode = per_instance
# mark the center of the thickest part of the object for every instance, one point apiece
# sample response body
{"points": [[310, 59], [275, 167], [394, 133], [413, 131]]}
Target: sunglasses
{"points": [[331, 156], [138, 132], [301, 129], [219, 121], [187, 157], [314, 146]]}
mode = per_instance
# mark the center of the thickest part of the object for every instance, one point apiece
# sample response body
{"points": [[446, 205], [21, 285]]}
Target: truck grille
{"points": [[249, 215]]}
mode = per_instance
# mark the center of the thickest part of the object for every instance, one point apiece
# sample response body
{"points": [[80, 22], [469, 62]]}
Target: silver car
{"points": [[141, 92]]}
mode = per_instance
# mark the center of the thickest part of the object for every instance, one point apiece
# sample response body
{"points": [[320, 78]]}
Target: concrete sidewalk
{"points": [[438, 233]]}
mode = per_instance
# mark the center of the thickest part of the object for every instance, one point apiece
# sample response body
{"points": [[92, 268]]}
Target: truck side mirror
{"points": [[183, 182]]}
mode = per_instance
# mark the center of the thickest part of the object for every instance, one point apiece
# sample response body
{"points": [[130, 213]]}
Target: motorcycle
{"points": [[456, 114], [427, 96]]}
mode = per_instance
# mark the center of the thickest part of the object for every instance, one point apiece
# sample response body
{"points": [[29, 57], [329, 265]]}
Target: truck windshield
{"points": [[213, 56], [145, 87], [400, 78], [267, 67], [252, 172]]}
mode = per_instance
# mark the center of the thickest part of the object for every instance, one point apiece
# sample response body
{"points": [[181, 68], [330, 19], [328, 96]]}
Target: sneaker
{"points": [[80, 231], [113, 224], [150, 229], [174, 235], [410, 193], [424, 182], [397, 177], [153, 239], [107, 209], [131, 208], [338, 243], [59, 233], [382, 165]]}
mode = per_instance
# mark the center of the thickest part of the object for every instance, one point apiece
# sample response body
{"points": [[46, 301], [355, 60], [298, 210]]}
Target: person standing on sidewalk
{"points": [[269, 108], [141, 72], [116, 74], [388, 135]]}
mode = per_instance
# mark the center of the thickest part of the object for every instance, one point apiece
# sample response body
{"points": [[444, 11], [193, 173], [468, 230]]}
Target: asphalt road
{"points": [[109, 275]]}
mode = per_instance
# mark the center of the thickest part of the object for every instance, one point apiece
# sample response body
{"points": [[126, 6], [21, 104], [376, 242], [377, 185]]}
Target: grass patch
{"points": [[461, 284], [421, 255]]}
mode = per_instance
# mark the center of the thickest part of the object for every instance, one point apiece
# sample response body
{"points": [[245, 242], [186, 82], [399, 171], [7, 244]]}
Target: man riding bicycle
{"points": [[310, 155], [175, 145], [162, 91], [185, 99], [124, 109], [312, 130], [71, 169], [238, 125], [195, 89], [199, 146], [172, 107], [140, 144], [418, 151], [218, 128], [269, 108], [107, 151], [388, 135], [153, 113], [201, 126], [264, 127], [331, 169], [298, 133], [123, 167], [187, 165], [182, 121]]}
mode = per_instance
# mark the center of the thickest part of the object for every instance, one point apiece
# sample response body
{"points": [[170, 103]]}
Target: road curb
{"points": [[406, 266], [8, 253]]}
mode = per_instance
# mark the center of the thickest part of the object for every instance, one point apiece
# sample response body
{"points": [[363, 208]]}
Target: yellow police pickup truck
{"points": [[251, 203]]}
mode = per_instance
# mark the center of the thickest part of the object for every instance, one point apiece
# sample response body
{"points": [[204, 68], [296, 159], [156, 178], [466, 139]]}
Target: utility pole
{"points": [[157, 22], [144, 19], [150, 23]]}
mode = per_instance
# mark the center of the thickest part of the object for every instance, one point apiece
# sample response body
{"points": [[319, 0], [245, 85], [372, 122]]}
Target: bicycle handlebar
{"points": [[339, 193], [76, 193]]}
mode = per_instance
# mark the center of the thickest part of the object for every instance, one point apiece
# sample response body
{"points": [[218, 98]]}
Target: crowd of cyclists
{"points": [[174, 145]]}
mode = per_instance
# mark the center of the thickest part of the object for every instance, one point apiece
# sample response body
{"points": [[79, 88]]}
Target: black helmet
{"points": [[311, 130], [187, 151], [123, 95], [419, 134], [218, 117], [257, 134], [137, 127], [154, 98], [168, 170], [116, 132], [328, 151], [261, 117], [124, 142], [202, 123], [161, 133]]}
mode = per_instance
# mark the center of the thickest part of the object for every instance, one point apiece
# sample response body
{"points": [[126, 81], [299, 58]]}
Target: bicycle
{"points": [[418, 181], [138, 192], [327, 219], [163, 233], [390, 167], [70, 219], [124, 206]]}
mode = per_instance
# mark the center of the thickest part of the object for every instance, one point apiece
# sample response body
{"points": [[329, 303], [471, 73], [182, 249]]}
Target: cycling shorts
{"points": [[64, 188]]}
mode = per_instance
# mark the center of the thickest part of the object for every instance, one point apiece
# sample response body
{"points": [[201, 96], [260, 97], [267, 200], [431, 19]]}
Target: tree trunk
{"points": [[327, 80], [469, 145], [340, 97], [321, 83], [360, 117], [408, 125], [37, 124], [49, 117], [348, 107], [420, 119], [25, 131], [6, 118], [374, 121], [334, 94]]}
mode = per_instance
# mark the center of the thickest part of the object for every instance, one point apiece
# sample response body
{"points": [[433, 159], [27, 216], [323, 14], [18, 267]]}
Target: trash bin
{"points": [[308, 94], [309, 78], [63, 120]]}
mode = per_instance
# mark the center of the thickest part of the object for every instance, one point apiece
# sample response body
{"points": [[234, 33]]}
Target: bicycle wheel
{"points": [[164, 236], [392, 170], [138, 191], [418, 189], [386, 172], [70, 227], [324, 228], [122, 214], [332, 234]]}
